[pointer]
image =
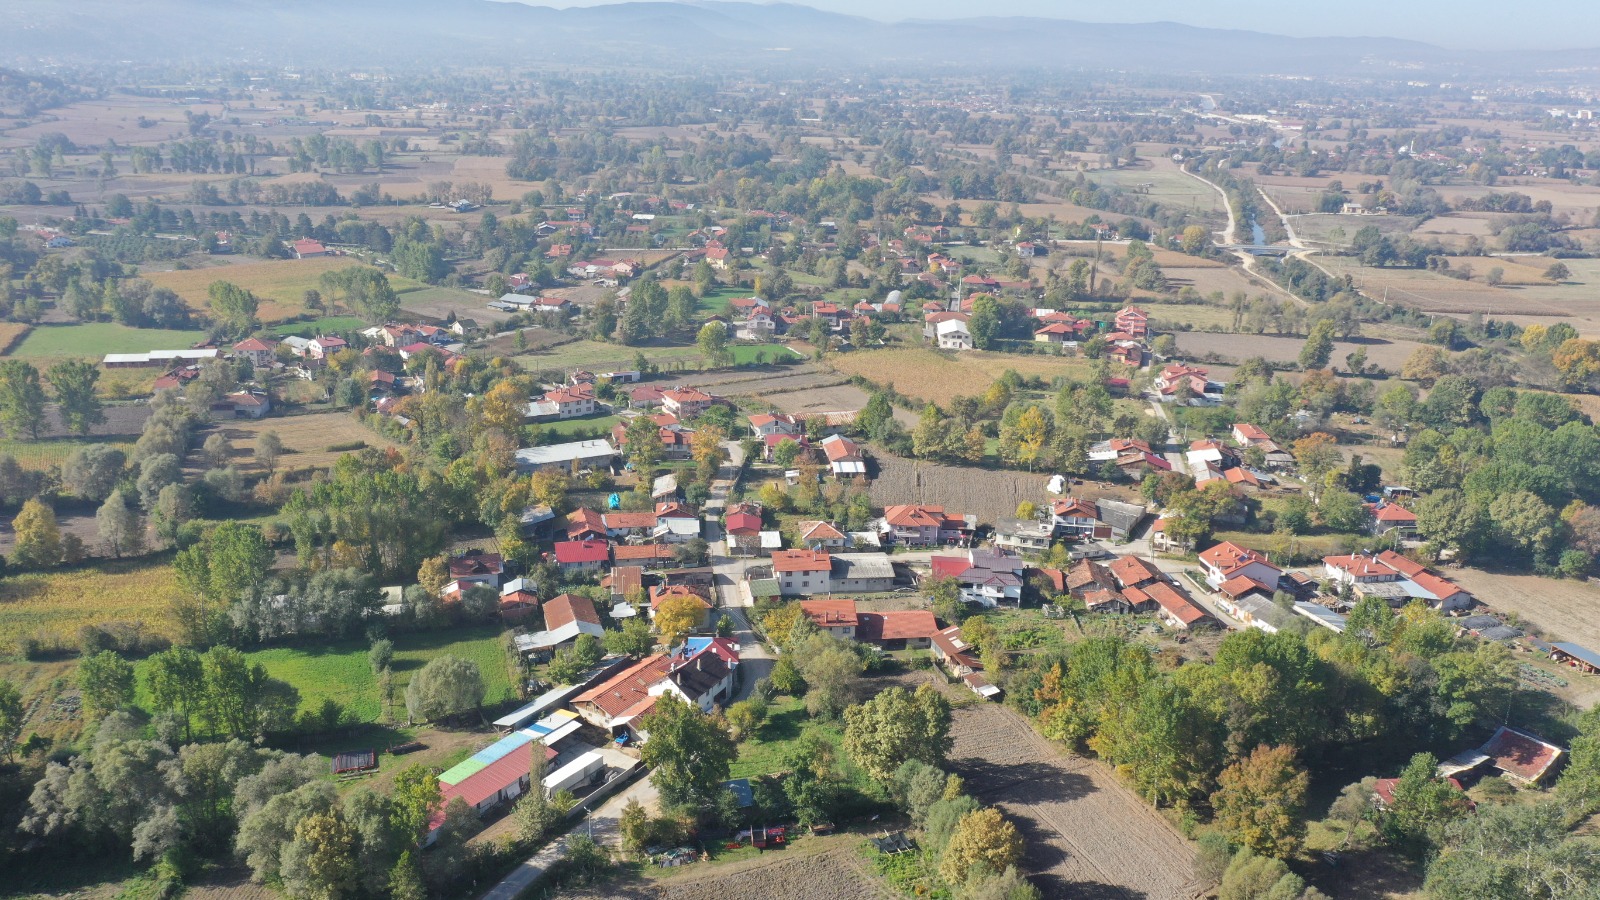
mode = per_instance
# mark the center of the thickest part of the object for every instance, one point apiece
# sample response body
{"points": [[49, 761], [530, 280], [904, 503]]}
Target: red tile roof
{"points": [[896, 625], [627, 689], [1176, 604], [801, 561], [577, 552], [830, 613], [1521, 754], [661, 594], [566, 609], [1130, 570]]}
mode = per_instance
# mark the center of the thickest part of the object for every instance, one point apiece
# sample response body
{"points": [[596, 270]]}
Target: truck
{"points": [[575, 774]]}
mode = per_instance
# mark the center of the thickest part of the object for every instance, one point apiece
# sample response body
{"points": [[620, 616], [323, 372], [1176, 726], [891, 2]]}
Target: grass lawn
{"points": [[340, 671], [56, 604], [320, 326], [766, 752], [1292, 549], [576, 429], [745, 354], [92, 340]]}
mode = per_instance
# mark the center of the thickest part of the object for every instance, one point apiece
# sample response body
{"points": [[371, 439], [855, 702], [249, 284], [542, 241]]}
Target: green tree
{"points": [[1319, 345], [984, 326], [1260, 800], [690, 754], [78, 406], [405, 881], [895, 726], [11, 719], [119, 526], [1423, 805], [447, 686], [712, 342], [106, 682], [320, 862], [21, 399], [234, 307], [414, 797]]}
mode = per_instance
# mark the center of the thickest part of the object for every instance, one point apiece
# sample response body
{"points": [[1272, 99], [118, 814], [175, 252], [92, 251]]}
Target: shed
{"points": [[1581, 658]]}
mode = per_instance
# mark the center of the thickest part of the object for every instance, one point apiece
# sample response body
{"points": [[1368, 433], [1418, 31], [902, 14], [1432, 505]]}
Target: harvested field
{"points": [[306, 440], [1560, 608], [1388, 355], [1163, 316], [1208, 279], [437, 303], [281, 284], [11, 334], [1087, 835], [1160, 179], [938, 377], [990, 494], [838, 873], [1435, 293]]}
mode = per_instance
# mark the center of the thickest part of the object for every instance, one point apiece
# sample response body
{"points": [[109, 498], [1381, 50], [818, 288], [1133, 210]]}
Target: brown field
{"points": [[280, 284], [990, 494], [11, 334], [56, 604], [1226, 279], [1561, 609], [1164, 316], [1387, 355], [1087, 835], [935, 377], [1435, 293], [306, 440]]}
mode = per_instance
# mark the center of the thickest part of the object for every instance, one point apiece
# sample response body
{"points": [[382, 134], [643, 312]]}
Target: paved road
{"points": [[602, 823]]}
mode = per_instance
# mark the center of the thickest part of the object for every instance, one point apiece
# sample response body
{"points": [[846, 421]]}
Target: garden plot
{"points": [[989, 494], [1087, 835]]}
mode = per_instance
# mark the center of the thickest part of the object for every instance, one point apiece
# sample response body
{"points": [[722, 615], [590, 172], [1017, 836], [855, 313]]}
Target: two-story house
{"points": [[987, 579]]}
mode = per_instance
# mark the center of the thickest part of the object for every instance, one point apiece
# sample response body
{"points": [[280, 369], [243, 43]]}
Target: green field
{"points": [[765, 752], [1164, 184], [92, 340], [597, 356], [339, 671], [325, 325], [745, 354], [41, 455]]}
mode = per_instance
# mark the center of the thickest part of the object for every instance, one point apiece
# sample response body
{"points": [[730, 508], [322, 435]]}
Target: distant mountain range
{"points": [[689, 37]]}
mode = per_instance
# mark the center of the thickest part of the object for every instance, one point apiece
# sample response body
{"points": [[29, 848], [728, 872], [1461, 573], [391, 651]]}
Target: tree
{"points": [[984, 326], [119, 526], [712, 342], [690, 753], [21, 399], [446, 686], [106, 682], [982, 839], [1514, 851], [632, 639], [535, 815], [676, 617], [320, 862], [1252, 877], [76, 402], [38, 538], [1425, 365], [1260, 799], [1423, 804], [405, 882], [92, 472], [12, 716], [1317, 455], [548, 487], [1558, 271], [415, 796], [1319, 345], [234, 307], [268, 448], [1524, 522], [895, 726], [831, 669], [644, 447]]}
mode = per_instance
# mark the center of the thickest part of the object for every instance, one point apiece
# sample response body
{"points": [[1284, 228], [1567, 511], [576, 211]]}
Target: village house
{"points": [[953, 334], [582, 556], [987, 579], [1177, 380], [245, 404], [836, 617], [1228, 562], [660, 594], [1395, 579], [1133, 321], [955, 656], [686, 403], [259, 352], [765, 425], [1080, 519], [802, 572], [565, 617], [702, 672], [820, 536], [477, 567], [844, 456], [925, 526], [306, 248], [564, 403], [1387, 517]]}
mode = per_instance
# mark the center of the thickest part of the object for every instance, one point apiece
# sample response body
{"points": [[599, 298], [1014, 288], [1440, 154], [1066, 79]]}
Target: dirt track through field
{"points": [[1087, 835]]}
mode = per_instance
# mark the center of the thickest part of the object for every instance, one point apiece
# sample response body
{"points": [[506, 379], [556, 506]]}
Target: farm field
{"points": [[93, 340], [1434, 293], [935, 377], [340, 671], [1162, 181], [1087, 835], [599, 357], [1208, 279], [325, 325], [1388, 355], [1325, 228], [11, 334], [1194, 315], [439, 303], [306, 439], [991, 494], [837, 872], [1562, 609], [56, 604], [281, 284]]}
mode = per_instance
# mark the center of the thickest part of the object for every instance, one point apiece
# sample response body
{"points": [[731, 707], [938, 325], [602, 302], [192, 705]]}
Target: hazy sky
{"points": [[1448, 23]]}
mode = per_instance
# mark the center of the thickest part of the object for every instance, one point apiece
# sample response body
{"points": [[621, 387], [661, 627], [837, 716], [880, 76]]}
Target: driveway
{"points": [[602, 824]]}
